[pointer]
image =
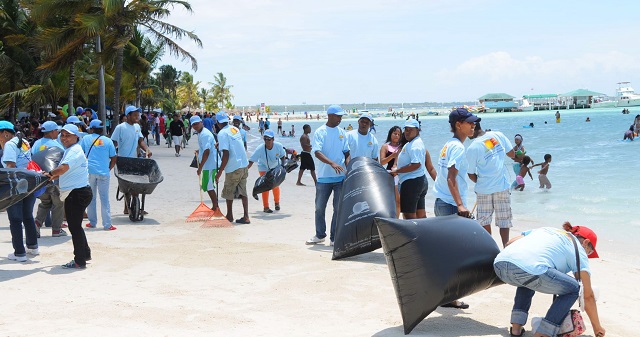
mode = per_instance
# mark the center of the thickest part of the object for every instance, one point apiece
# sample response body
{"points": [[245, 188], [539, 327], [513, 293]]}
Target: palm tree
{"points": [[203, 94], [188, 94], [221, 92], [140, 58], [67, 27], [124, 16]]}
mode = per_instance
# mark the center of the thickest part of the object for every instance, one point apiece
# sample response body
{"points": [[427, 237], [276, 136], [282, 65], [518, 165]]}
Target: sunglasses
{"points": [[267, 138]]}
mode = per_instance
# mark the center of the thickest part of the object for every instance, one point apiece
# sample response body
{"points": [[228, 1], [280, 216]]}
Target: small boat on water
{"points": [[526, 106]]}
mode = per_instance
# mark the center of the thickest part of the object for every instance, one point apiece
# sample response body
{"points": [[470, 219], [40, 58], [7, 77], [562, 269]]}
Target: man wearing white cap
{"points": [[234, 163], [361, 142], [332, 150], [101, 154], [268, 155], [50, 199], [127, 137], [208, 159], [75, 191]]}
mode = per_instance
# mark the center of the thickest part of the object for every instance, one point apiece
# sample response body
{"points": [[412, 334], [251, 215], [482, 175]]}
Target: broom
{"points": [[202, 212]]}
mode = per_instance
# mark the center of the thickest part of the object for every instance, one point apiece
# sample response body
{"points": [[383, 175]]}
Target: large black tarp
{"points": [[16, 184], [270, 180], [435, 261], [49, 158], [367, 192]]}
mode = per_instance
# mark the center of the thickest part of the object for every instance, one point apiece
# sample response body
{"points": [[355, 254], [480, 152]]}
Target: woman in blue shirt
{"points": [[268, 155], [17, 154], [410, 170], [75, 191]]}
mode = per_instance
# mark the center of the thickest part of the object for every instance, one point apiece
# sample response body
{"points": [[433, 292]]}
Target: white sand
{"points": [[165, 277]]}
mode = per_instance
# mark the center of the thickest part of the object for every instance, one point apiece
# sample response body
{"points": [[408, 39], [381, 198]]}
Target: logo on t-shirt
{"points": [[42, 148], [233, 130], [370, 143], [490, 143], [443, 153]]}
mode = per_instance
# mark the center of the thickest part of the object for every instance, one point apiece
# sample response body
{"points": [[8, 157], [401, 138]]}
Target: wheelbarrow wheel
{"points": [[134, 208]]}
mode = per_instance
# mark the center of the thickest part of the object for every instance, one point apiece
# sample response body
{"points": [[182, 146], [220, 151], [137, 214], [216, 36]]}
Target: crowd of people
{"points": [[533, 261]]}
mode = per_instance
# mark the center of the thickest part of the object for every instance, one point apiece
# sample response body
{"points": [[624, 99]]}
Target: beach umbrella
{"points": [[435, 261]]}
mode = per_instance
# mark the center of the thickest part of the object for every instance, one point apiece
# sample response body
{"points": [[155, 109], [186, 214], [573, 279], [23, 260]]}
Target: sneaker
{"points": [[38, 224], [314, 240], [268, 210], [112, 228], [73, 265], [277, 207], [13, 257], [64, 225], [34, 251], [331, 243], [56, 234], [88, 225], [177, 154]]}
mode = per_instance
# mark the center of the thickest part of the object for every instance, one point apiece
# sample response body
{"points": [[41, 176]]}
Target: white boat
{"points": [[526, 106], [626, 95]]}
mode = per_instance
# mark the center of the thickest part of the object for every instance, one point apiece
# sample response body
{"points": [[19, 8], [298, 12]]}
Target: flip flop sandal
{"points": [[243, 221]]}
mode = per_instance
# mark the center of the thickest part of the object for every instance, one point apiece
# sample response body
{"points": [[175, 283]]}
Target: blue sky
{"points": [[354, 51]]}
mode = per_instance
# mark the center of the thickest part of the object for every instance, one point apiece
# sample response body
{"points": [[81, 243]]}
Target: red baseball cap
{"points": [[587, 233]]}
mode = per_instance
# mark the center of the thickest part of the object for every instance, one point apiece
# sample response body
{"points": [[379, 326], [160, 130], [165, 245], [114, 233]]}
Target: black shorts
{"points": [[306, 162], [412, 194]]}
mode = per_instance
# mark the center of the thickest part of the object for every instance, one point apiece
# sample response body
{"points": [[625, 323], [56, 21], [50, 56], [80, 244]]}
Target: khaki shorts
{"points": [[500, 203], [237, 178]]}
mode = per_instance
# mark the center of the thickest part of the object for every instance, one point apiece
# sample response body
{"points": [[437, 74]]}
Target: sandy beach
{"points": [[166, 277]]}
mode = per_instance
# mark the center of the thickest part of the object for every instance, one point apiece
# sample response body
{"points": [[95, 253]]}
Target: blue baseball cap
{"points": [[412, 123], [73, 120], [79, 110], [7, 126], [131, 109], [269, 134], [71, 129], [49, 126], [95, 124], [222, 117], [237, 118], [335, 110], [195, 119], [462, 114]]}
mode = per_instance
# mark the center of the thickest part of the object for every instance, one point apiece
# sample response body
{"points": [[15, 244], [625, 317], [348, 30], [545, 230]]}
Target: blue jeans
{"points": [[19, 214], [442, 208], [323, 192], [551, 282], [99, 186]]}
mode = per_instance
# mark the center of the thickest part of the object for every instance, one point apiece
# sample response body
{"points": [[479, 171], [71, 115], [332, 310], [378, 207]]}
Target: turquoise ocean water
{"points": [[593, 172]]}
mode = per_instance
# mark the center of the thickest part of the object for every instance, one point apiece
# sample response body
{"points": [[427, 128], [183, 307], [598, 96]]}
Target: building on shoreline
{"points": [[498, 102]]}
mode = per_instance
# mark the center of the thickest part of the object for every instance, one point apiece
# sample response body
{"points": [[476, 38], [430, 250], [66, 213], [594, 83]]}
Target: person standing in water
{"points": [[542, 174]]}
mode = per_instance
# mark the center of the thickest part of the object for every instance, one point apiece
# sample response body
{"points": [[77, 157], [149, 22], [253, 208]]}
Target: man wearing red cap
{"points": [[538, 261]]}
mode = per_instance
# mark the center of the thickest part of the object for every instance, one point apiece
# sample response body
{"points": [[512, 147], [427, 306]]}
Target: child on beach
{"points": [[524, 170], [542, 174]]}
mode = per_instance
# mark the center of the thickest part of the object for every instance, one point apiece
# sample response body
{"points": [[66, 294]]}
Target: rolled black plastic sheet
{"points": [[435, 261], [367, 192], [17, 184], [270, 180], [290, 165], [49, 158]]}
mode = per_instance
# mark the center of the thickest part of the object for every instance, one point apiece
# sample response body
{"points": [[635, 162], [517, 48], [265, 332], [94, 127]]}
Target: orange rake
{"points": [[216, 222], [203, 212]]}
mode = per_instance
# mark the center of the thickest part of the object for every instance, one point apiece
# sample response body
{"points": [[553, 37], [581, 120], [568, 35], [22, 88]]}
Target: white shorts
{"points": [[177, 140]]}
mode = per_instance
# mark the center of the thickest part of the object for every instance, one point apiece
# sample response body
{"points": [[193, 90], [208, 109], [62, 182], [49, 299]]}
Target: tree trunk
{"points": [[116, 86], [102, 100], [72, 83], [14, 103]]}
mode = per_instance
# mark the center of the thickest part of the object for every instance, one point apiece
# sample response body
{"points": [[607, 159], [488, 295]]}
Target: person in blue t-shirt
{"points": [[127, 137], [208, 159], [50, 199], [361, 142], [331, 148], [268, 155], [208, 123], [410, 169], [237, 122], [101, 154], [16, 154], [234, 163], [75, 192], [487, 169], [538, 261]]}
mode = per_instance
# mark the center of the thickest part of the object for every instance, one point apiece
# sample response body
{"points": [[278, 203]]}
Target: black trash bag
{"points": [[435, 261], [49, 158], [368, 192], [290, 165], [17, 184], [270, 180]]}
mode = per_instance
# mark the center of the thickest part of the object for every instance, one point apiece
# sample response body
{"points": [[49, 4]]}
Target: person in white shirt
{"points": [[332, 150], [361, 142]]}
